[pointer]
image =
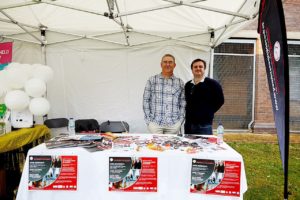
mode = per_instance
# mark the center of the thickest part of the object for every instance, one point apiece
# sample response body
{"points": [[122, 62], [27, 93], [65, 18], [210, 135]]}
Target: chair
{"points": [[56, 122], [57, 125], [86, 126], [114, 127]]}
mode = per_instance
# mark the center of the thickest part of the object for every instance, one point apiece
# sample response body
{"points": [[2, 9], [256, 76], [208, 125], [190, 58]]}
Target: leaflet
{"points": [[133, 174], [216, 177], [52, 172], [65, 141]]}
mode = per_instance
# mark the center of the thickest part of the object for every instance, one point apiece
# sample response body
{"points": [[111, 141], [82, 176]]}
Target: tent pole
{"points": [[18, 39], [210, 9], [80, 37], [71, 7], [44, 54], [43, 44], [125, 29], [17, 5], [160, 7], [211, 63], [231, 21], [22, 27], [253, 90], [22, 24], [164, 38], [44, 60]]}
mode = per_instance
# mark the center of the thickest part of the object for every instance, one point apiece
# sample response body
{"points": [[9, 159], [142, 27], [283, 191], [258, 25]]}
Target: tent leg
{"points": [[43, 43], [43, 50], [211, 63]]}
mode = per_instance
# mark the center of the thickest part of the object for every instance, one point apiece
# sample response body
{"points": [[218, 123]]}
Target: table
{"points": [[13, 148], [19, 138], [173, 175]]}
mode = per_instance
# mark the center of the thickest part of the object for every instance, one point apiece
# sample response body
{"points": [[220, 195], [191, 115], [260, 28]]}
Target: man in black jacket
{"points": [[204, 97]]}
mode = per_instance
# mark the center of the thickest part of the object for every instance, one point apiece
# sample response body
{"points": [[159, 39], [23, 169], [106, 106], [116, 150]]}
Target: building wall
{"points": [[263, 114], [264, 118], [291, 12]]}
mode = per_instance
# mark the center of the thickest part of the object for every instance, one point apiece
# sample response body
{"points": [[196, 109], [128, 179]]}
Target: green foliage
{"points": [[264, 170]]}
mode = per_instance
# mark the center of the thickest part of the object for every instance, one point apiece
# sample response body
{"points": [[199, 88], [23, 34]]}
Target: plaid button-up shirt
{"points": [[164, 101]]}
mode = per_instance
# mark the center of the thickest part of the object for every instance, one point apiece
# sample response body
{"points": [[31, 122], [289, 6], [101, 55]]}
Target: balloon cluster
{"points": [[23, 86]]}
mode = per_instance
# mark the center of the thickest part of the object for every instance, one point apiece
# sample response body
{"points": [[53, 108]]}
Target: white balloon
{"points": [[16, 100], [35, 87], [16, 78], [13, 65], [39, 106], [28, 69], [42, 72]]}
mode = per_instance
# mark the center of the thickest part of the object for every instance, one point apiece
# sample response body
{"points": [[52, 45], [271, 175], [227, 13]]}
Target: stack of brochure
{"points": [[64, 140]]}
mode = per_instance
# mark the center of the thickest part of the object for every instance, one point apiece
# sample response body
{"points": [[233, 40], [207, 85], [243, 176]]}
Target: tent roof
{"points": [[126, 23]]}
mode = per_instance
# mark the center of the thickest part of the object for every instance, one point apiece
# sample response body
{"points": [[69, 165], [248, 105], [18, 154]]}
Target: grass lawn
{"points": [[263, 165]]}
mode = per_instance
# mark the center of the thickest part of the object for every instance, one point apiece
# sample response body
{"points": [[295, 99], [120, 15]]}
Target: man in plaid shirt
{"points": [[164, 101]]}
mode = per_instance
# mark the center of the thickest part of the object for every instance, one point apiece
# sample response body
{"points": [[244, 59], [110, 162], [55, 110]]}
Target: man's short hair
{"points": [[168, 55], [198, 60]]}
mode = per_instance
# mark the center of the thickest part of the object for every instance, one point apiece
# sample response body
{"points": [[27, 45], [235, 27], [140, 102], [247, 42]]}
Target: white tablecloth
{"points": [[174, 175]]}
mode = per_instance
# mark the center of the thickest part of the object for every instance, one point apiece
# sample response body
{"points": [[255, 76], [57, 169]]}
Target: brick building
{"points": [[239, 66]]}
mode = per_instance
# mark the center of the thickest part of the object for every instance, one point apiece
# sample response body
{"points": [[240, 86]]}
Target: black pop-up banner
{"points": [[271, 26]]}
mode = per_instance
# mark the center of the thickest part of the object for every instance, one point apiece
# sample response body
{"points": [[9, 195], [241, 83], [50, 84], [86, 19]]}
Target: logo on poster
{"points": [[3, 52], [277, 51]]}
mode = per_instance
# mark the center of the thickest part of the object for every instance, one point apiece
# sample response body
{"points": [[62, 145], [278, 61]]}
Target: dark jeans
{"points": [[198, 129]]}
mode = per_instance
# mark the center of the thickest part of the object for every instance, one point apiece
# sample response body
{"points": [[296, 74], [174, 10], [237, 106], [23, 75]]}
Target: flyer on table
{"points": [[133, 174], [52, 172], [217, 177]]}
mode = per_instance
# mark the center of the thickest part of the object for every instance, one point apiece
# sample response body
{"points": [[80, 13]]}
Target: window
{"points": [[233, 67], [294, 74]]}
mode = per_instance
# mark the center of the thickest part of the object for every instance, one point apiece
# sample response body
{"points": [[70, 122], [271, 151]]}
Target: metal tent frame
{"points": [[115, 14]]}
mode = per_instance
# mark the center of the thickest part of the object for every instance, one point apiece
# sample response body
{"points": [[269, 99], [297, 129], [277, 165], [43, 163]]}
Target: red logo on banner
{"points": [[5, 52]]}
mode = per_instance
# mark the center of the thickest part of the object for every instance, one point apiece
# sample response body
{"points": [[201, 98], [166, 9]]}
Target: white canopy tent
{"points": [[103, 51]]}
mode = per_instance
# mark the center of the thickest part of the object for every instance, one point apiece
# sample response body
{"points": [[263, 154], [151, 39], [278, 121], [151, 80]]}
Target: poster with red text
{"points": [[133, 174], [52, 172], [215, 177], [5, 54]]}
